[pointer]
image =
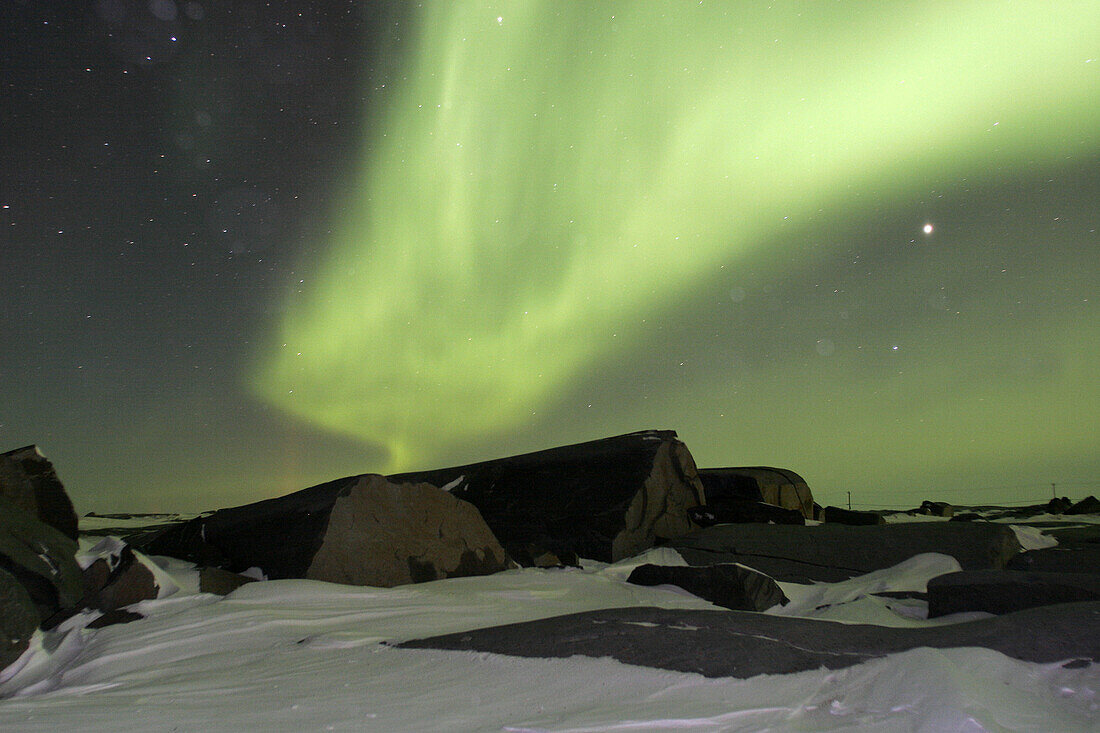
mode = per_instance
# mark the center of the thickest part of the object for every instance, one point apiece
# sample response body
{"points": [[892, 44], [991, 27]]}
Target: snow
{"points": [[295, 655]]}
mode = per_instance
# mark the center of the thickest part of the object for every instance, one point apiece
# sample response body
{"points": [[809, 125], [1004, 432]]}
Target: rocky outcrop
{"points": [[28, 481], [743, 644], [386, 534], [1005, 591], [834, 552], [19, 618], [836, 515], [42, 560], [776, 486], [116, 579], [1088, 505], [730, 586], [727, 510], [605, 499], [1058, 560], [363, 530]]}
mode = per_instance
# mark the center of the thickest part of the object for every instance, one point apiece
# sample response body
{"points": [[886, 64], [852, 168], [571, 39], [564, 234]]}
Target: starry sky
{"points": [[251, 246]]}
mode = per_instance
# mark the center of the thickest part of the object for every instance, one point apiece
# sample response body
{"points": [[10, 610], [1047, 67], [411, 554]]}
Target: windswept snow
{"points": [[296, 655]]}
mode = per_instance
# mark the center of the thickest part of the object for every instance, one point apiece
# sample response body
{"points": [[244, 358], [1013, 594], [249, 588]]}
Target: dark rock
{"points": [[1088, 505], [837, 515], [117, 616], [731, 586], [967, 517], [28, 480], [43, 560], [935, 509], [19, 619], [1087, 536], [819, 513], [775, 486], [386, 534], [1005, 591], [221, 582], [1058, 505], [363, 530], [605, 500], [1058, 560], [742, 644], [117, 581], [726, 510], [834, 552]]}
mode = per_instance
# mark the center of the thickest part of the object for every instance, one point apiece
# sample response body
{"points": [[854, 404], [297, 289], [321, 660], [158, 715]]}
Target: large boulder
{"points": [[1058, 560], [28, 480], [605, 499], [834, 552], [776, 486], [42, 560], [730, 586], [363, 530], [19, 619], [1005, 591], [116, 579], [386, 534], [729, 510], [1088, 505]]}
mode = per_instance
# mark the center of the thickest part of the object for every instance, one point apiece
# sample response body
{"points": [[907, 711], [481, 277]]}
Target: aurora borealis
{"points": [[858, 240]]}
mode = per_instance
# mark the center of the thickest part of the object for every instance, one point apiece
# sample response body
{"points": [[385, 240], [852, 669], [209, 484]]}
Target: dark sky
{"points": [[175, 174]]}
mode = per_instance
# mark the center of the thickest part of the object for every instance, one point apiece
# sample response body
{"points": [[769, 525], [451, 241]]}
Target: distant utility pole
{"points": [[1052, 494], [849, 501]]}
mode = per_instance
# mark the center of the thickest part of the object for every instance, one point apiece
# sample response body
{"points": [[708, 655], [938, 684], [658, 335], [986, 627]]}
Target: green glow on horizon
{"points": [[549, 175]]}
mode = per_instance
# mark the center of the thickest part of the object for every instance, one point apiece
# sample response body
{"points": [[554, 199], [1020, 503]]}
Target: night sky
{"points": [[251, 246]]}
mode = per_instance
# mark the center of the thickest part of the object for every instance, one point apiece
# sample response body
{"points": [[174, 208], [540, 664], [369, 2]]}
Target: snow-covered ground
{"points": [[297, 655]]}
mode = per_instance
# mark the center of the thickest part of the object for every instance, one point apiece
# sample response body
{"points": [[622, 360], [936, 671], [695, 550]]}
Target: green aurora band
{"points": [[549, 178]]}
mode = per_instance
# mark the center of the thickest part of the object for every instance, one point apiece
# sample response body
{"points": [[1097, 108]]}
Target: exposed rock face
{"points": [[836, 515], [29, 482], [935, 509], [18, 619], [362, 530], [835, 552], [727, 510], [221, 582], [777, 486], [117, 580], [42, 560], [1005, 591], [731, 586], [1088, 505], [605, 499], [385, 534], [743, 644], [1058, 560]]}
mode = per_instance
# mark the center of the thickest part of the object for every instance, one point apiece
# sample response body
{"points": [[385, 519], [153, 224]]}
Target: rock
{"points": [[364, 530], [28, 480], [835, 552], [19, 619], [221, 582], [776, 486], [837, 515], [742, 644], [1005, 591], [1058, 505], [967, 517], [605, 499], [42, 560], [111, 583], [726, 510], [386, 534], [935, 509], [731, 586], [1058, 560], [1088, 505], [1080, 537]]}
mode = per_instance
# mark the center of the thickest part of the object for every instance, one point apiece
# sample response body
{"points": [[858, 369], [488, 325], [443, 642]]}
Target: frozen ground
{"points": [[298, 655]]}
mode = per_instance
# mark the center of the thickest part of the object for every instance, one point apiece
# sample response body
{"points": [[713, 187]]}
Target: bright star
{"points": [[928, 228]]}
